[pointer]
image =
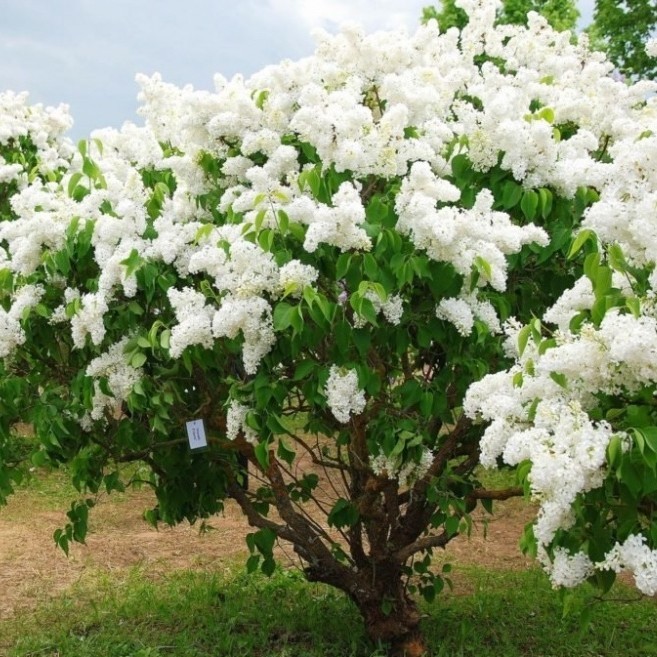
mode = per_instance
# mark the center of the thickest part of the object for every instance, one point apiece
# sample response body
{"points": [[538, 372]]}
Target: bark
{"points": [[391, 616]]}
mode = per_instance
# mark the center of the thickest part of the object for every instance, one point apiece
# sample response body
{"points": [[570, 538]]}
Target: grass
{"points": [[191, 614]]}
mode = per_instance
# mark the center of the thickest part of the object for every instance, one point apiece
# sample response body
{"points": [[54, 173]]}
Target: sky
{"points": [[86, 53]]}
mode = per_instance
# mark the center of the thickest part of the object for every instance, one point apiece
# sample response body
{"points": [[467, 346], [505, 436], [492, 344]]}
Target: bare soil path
{"points": [[33, 568]]}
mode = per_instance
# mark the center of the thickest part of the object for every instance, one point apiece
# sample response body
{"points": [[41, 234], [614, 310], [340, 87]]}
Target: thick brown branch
{"points": [[254, 518], [421, 544], [307, 542], [419, 511], [485, 494], [500, 494]]}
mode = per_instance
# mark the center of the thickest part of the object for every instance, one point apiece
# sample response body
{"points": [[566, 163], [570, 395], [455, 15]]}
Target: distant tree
{"points": [[621, 28], [448, 16], [561, 14]]}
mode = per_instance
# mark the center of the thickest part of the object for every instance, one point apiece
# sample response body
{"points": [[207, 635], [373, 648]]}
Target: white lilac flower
{"points": [[343, 395], [194, 319], [236, 424]]}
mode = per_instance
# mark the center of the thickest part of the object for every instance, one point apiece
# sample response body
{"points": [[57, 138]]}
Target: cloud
{"points": [[86, 53], [26, 47], [388, 14]]}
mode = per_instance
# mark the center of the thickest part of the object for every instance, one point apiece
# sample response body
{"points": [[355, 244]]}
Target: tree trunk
{"points": [[398, 629], [390, 615]]}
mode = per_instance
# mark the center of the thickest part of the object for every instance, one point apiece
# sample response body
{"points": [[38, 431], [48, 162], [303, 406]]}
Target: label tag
{"points": [[196, 434]]}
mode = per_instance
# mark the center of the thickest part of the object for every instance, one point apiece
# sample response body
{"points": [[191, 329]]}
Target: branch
{"points": [[254, 518], [485, 494], [422, 544], [307, 542], [501, 494], [419, 511], [328, 463]]}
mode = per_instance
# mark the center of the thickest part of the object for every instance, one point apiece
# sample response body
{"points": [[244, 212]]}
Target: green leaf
{"points": [[343, 514], [252, 563], [529, 204], [602, 281], [528, 544], [461, 166], [523, 338], [261, 98], [634, 306], [547, 114], [511, 194], [90, 168], [304, 369], [284, 452], [284, 315], [614, 451], [275, 425], [268, 567], [371, 267], [483, 267], [342, 265], [261, 451], [132, 262], [591, 265], [559, 379], [582, 238], [73, 183], [545, 196], [135, 308], [616, 258], [138, 359], [165, 339], [452, 525]]}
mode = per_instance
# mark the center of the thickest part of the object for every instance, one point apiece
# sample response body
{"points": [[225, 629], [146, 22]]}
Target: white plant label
{"points": [[196, 434]]}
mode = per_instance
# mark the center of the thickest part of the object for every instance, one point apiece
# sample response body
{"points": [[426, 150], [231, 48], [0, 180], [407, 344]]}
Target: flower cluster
{"points": [[405, 473], [343, 395], [236, 423], [120, 376]]}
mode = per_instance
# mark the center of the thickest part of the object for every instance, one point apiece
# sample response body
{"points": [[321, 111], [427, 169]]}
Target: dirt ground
{"points": [[32, 568]]}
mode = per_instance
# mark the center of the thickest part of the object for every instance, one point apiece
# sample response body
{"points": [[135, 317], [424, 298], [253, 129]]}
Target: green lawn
{"points": [[191, 614], [195, 613]]}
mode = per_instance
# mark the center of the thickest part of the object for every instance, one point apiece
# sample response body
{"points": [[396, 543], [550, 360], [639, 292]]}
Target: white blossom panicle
{"points": [[339, 224], [247, 270], [577, 298], [392, 308], [651, 47], [568, 570], [457, 312], [235, 423], [294, 276], [121, 378], [405, 473], [343, 395], [634, 555], [460, 237], [11, 332], [89, 320], [194, 318], [252, 317], [45, 127]]}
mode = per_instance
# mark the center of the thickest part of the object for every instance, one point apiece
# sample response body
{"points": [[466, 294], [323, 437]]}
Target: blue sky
{"points": [[86, 52]]}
